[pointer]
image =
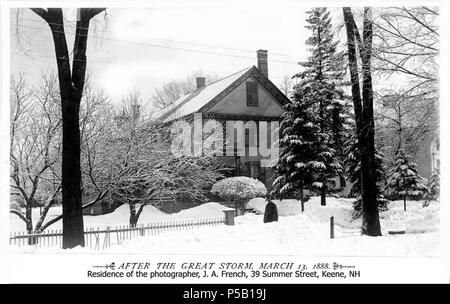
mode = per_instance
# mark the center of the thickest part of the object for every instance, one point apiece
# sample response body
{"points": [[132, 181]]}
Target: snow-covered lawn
{"points": [[120, 216], [294, 234]]}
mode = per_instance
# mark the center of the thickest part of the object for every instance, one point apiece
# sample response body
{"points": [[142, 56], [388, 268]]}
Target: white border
{"points": [[40, 268]]}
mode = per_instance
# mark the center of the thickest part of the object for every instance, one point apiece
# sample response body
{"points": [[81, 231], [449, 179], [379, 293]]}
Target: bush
{"points": [[239, 189]]}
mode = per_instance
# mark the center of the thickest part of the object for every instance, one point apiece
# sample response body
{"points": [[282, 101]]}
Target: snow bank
{"points": [[298, 234], [211, 210], [121, 216], [416, 219]]}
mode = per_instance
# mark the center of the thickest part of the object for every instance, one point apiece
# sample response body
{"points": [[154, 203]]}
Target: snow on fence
{"points": [[100, 239]]}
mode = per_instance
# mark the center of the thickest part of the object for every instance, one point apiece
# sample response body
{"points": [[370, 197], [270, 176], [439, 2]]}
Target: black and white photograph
{"points": [[224, 141]]}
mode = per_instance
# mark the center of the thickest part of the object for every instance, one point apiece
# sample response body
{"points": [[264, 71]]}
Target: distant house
{"points": [[248, 107]]}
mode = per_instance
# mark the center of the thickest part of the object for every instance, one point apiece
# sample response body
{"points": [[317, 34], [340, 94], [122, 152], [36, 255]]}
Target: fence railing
{"points": [[101, 239]]}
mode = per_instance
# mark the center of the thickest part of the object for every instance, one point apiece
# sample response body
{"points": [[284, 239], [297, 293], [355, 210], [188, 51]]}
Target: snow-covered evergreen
{"points": [[319, 93], [342, 127], [353, 172], [298, 134], [353, 167], [434, 187], [404, 180]]}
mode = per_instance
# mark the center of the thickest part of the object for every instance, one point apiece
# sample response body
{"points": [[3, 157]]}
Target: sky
{"points": [[141, 48]]}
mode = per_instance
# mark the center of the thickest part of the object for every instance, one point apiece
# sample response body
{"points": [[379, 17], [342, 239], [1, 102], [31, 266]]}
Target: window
{"points": [[252, 94], [247, 137]]}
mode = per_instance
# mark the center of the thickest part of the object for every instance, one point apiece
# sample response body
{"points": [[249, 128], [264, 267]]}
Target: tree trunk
{"points": [[370, 221], [29, 223], [73, 230], [71, 176], [404, 203], [29, 217], [353, 67], [302, 199], [323, 201], [134, 215], [133, 218], [240, 205], [364, 119]]}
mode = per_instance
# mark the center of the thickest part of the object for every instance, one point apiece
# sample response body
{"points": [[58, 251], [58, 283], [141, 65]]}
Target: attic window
{"points": [[252, 94]]}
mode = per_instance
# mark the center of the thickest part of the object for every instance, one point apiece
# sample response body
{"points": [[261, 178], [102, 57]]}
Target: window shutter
{"points": [[252, 94]]}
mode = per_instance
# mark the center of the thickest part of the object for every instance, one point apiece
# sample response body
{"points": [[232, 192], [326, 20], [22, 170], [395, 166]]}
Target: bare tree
{"points": [[140, 166], [35, 145], [406, 41], [406, 47], [286, 85], [95, 117], [406, 121], [71, 84], [171, 91]]}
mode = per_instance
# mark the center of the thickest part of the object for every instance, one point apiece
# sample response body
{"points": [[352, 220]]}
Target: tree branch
{"points": [[420, 22], [41, 13], [90, 13], [50, 201], [20, 215], [98, 198]]}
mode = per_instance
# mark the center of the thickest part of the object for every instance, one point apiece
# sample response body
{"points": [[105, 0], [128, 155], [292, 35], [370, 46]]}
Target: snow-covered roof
{"points": [[193, 102]]}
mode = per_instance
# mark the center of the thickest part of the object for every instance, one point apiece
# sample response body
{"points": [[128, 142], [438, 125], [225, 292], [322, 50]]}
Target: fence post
{"points": [[332, 227], [229, 216]]}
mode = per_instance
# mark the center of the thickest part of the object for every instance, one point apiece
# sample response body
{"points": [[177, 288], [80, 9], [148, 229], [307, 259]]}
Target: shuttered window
{"points": [[252, 94]]}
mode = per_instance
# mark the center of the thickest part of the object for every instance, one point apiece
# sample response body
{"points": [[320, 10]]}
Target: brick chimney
{"points": [[200, 82], [262, 62]]}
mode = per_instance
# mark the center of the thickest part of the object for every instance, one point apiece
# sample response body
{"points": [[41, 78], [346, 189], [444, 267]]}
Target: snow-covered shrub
{"points": [[404, 180], [239, 189]]}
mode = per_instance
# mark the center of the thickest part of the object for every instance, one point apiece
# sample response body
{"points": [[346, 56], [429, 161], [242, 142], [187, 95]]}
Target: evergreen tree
{"points": [[353, 167], [298, 134], [322, 77], [433, 185], [342, 130], [404, 180], [353, 171]]}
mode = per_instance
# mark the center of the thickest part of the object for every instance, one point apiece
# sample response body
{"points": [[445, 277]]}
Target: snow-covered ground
{"points": [[294, 234], [121, 216]]}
